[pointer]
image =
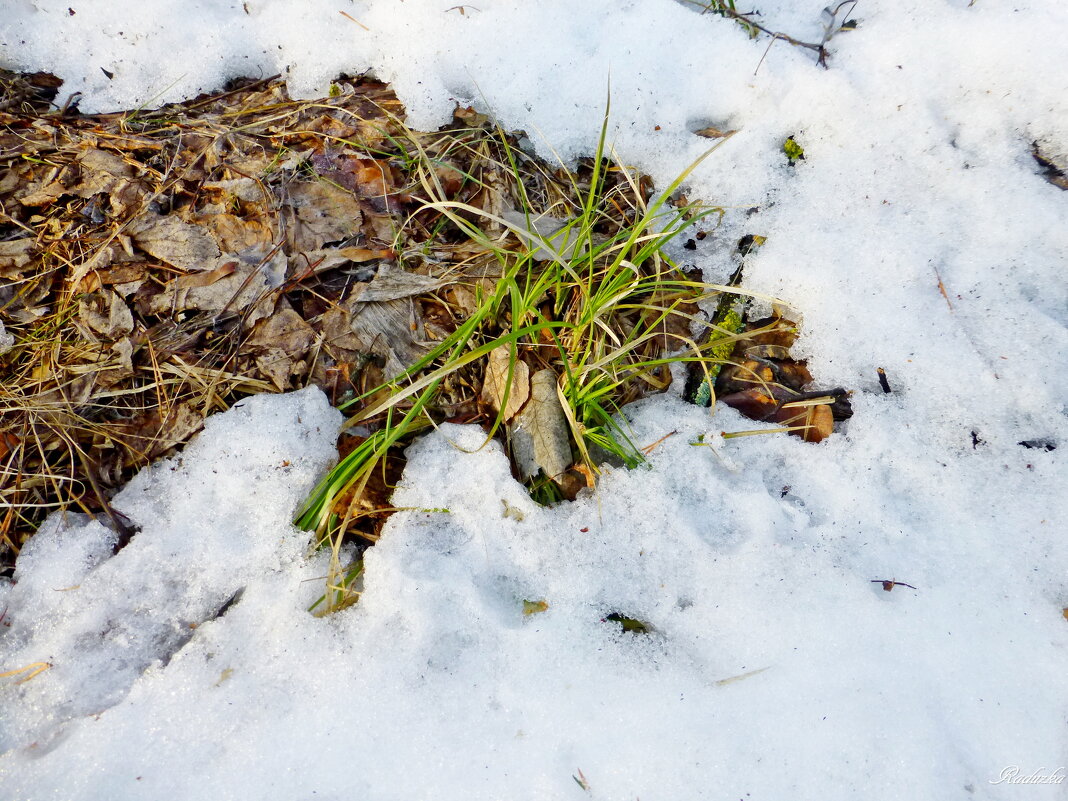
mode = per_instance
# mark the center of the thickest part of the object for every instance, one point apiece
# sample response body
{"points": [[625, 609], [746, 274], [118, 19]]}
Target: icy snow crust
{"points": [[753, 554]]}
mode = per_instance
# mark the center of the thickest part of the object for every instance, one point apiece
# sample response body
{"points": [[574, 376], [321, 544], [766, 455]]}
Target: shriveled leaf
{"points": [[539, 435], [496, 383], [285, 329], [332, 258], [246, 286], [281, 342]]}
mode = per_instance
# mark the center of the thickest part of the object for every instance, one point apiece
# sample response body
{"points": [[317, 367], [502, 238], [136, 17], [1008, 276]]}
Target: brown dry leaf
{"points": [[122, 274], [393, 283], [818, 422], [235, 235], [175, 242], [282, 340], [208, 278], [369, 178], [123, 369], [323, 213], [539, 435], [391, 330], [712, 132], [98, 172], [247, 190], [15, 255], [106, 314], [495, 382], [247, 286], [156, 432]]}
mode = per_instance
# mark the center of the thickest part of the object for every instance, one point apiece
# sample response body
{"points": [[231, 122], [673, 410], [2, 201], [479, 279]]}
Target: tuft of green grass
{"points": [[595, 299]]}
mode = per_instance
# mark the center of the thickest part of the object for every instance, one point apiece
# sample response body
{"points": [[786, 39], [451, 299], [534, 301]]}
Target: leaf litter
{"points": [[157, 266]]}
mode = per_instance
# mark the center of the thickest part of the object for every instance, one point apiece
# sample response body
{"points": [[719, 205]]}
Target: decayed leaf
{"points": [[368, 178], [246, 286], [818, 422], [323, 213], [391, 330], [282, 340], [495, 382], [535, 607], [175, 242], [393, 283], [15, 255], [539, 435], [106, 314], [159, 430]]}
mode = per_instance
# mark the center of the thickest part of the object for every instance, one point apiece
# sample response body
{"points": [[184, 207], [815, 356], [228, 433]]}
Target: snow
{"points": [[753, 554]]}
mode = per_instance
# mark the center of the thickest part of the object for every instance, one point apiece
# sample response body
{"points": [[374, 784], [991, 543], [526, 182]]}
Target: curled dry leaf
{"points": [[496, 384], [539, 435]]}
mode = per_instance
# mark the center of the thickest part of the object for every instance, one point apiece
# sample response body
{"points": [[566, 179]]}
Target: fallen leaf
{"points": [[393, 283], [175, 242], [391, 330], [496, 383], [106, 314], [539, 435], [324, 213], [535, 607], [281, 342], [712, 132], [208, 278], [15, 255]]}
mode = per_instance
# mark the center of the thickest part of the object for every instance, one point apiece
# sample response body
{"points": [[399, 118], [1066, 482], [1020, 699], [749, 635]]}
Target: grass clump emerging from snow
{"points": [[565, 308]]}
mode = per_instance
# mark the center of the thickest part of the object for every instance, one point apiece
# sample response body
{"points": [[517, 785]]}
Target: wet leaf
{"points": [[712, 132], [630, 625]]}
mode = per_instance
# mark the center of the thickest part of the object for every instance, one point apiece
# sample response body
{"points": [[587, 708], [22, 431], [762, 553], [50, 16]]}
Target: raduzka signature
{"points": [[1014, 775]]}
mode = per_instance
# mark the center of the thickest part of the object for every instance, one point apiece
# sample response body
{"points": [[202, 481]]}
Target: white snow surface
{"points": [[753, 554]]}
